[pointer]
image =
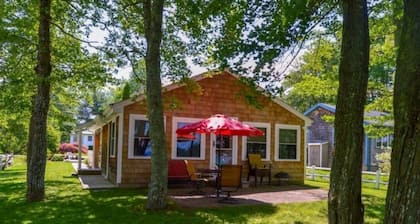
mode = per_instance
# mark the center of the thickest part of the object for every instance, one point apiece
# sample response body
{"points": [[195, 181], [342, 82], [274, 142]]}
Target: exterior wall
{"points": [[87, 138], [321, 131], [220, 95]]}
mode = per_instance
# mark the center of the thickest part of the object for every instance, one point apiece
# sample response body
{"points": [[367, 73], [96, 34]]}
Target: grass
{"points": [[66, 202]]}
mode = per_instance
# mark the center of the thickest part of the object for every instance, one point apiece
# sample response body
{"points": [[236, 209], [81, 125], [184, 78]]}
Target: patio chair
{"points": [[230, 181], [257, 169], [195, 179], [177, 172]]}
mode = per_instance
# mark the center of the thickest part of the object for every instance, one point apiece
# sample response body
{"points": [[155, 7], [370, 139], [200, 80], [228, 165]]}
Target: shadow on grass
{"points": [[374, 207]]}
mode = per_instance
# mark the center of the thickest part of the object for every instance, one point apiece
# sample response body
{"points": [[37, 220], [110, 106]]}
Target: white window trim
{"points": [[175, 121], [112, 155], [120, 145], [298, 149], [267, 126], [132, 119]]}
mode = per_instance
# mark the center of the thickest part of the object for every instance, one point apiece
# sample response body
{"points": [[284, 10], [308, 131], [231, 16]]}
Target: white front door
{"points": [[223, 150]]}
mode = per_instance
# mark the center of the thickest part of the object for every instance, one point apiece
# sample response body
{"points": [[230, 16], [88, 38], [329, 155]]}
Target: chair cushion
{"points": [[255, 161], [177, 170]]}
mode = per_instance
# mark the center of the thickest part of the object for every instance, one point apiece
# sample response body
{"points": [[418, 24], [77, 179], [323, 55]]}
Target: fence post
{"points": [[313, 173], [378, 178]]}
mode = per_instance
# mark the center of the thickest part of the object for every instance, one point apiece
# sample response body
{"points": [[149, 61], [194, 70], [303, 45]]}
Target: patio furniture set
{"points": [[226, 179]]}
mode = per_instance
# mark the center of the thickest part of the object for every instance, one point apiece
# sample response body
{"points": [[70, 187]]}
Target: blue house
{"points": [[320, 138]]}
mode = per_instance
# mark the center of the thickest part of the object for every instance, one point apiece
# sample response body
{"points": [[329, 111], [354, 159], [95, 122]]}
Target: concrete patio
{"points": [[91, 182], [250, 196], [95, 182]]}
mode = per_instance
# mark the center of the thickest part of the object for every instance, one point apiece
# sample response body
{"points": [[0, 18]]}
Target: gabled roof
{"points": [[117, 107], [330, 108], [369, 117]]}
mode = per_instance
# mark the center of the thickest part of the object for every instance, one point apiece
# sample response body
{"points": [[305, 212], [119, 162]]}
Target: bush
{"points": [[57, 157], [384, 160]]}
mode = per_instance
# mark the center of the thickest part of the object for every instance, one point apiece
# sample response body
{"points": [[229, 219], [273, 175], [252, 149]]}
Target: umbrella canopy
{"points": [[220, 124], [72, 147]]}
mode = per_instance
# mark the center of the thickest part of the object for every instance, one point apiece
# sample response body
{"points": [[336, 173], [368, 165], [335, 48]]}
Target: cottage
{"points": [[320, 137], [122, 143]]}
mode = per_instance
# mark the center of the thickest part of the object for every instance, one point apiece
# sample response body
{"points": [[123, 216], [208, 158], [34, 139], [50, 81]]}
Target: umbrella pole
{"points": [[219, 165]]}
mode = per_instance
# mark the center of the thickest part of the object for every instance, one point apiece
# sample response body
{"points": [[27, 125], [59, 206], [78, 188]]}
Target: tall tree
{"points": [[402, 202], [152, 15], [37, 144], [344, 197]]}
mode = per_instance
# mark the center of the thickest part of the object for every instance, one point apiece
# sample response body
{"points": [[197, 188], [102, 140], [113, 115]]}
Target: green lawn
{"points": [[66, 202]]}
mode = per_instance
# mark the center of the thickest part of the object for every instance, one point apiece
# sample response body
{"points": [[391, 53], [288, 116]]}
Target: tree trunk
{"points": [[153, 31], [344, 198], [403, 197], [37, 140]]}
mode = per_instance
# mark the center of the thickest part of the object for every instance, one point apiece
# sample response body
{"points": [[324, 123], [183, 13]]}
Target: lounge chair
{"points": [[258, 169]]}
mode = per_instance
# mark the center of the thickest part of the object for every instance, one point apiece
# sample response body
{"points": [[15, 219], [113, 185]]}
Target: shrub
{"points": [[57, 157], [384, 160]]}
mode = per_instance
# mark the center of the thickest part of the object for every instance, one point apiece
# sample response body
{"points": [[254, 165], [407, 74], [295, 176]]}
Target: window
{"points": [[257, 144], [384, 142], [287, 142], [111, 138], [142, 146], [139, 140], [187, 147], [90, 138]]}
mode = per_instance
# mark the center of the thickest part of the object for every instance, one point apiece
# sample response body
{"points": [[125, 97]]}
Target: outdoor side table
{"points": [[263, 172]]}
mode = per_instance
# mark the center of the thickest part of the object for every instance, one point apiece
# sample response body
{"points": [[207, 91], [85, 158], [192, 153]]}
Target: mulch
{"points": [[248, 196]]}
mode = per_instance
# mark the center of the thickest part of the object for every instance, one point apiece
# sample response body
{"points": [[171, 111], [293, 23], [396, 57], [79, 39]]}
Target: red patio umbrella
{"points": [[220, 124]]}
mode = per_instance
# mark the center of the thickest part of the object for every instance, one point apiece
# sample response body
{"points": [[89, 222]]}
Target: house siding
{"points": [[321, 131], [223, 94]]}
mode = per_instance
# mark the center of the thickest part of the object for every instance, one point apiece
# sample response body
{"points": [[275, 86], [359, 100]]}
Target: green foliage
{"points": [[53, 138], [75, 70], [126, 91], [311, 90]]}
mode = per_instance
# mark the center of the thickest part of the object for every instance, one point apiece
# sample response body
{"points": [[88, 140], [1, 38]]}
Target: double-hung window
{"points": [[188, 146], [139, 145], [287, 142], [111, 138], [258, 144]]}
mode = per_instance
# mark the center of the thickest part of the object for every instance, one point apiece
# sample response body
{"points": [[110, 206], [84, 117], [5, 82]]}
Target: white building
{"points": [[87, 138]]}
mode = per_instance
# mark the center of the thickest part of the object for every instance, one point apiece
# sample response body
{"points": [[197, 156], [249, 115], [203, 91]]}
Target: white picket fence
{"points": [[311, 173]]}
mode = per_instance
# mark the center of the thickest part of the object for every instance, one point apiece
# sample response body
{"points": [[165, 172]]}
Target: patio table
{"points": [[212, 173]]}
